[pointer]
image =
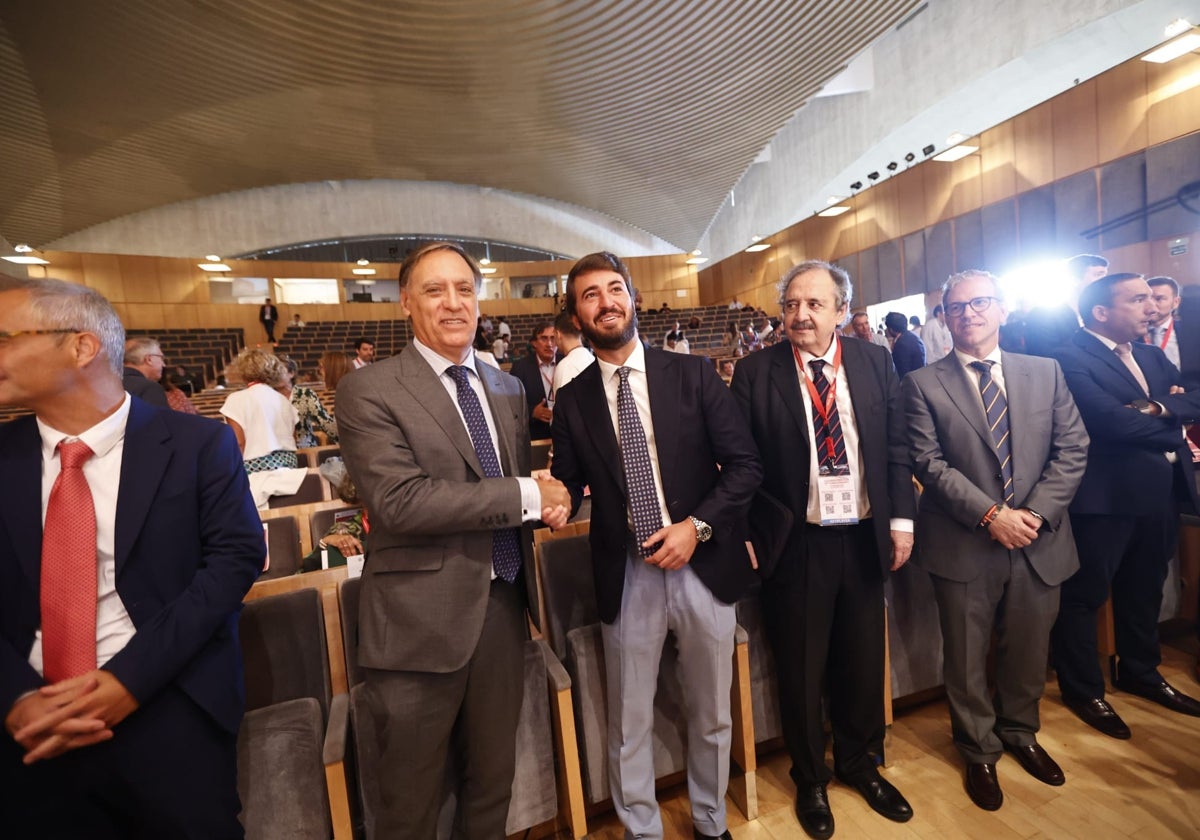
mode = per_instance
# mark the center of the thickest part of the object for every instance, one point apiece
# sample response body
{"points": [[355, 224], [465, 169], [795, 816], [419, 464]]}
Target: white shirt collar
{"points": [[440, 363], [1107, 342], [827, 357], [965, 360], [100, 438], [636, 361]]}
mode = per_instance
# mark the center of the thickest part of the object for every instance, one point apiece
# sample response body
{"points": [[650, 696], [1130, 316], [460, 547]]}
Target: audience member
{"points": [[504, 330], [992, 529], [575, 358], [908, 351], [364, 352], [130, 545], [143, 370], [332, 367], [442, 618], [845, 476], [1163, 332], [689, 471], [483, 349], [296, 322], [177, 400], [1046, 328], [860, 326], [1125, 516], [264, 423], [914, 327], [726, 369], [731, 343], [310, 413], [268, 316], [936, 337], [536, 372]]}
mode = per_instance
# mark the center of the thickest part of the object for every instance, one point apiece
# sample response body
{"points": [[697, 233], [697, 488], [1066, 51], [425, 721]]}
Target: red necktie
{"points": [[68, 595]]}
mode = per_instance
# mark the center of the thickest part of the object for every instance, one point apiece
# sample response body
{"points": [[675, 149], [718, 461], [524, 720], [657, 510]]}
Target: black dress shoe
{"points": [[724, 835], [812, 809], [881, 795], [983, 786], [1038, 764], [1163, 694], [1097, 714]]}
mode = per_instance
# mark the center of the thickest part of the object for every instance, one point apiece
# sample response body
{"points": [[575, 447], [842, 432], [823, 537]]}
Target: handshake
{"points": [[556, 501]]}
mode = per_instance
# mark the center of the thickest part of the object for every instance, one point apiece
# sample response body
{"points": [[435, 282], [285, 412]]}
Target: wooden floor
{"points": [[1147, 787]]}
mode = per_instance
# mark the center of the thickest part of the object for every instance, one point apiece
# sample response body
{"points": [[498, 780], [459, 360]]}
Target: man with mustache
{"points": [[672, 469], [826, 417]]}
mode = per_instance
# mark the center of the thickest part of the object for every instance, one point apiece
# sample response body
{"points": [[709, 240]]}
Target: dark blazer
{"points": [[427, 578], [696, 428], [1126, 470], [526, 369], [1049, 328], [268, 314], [908, 353], [768, 389], [188, 545], [955, 460], [148, 390]]}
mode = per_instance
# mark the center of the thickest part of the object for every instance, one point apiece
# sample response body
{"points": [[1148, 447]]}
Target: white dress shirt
{"points": [[572, 364], [1167, 342], [845, 409], [973, 375], [640, 389], [106, 439], [938, 341], [531, 496]]}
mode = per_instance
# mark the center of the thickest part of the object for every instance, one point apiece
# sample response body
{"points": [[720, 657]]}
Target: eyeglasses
{"points": [[8, 335], [152, 355], [979, 304]]}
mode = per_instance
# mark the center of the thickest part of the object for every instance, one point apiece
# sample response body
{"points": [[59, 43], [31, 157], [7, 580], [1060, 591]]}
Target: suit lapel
{"points": [[593, 406], [858, 373], [506, 424], [965, 396], [145, 456], [1090, 344], [1016, 393], [664, 384], [787, 384], [21, 509], [418, 378]]}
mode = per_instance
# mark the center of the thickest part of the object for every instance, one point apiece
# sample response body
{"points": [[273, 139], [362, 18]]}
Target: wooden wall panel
{"points": [[968, 241], [1001, 250], [101, 272], [1033, 149], [1076, 209], [1172, 98], [966, 194], [911, 206], [1168, 167], [867, 278], [915, 274], [1122, 191], [1073, 120], [891, 270], [1035, 224], [1121, 124], [939, 255], [939, 188], [998, 176]]}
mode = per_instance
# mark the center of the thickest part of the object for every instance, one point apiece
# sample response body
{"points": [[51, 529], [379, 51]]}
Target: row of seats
{"points": [[206, 350]]}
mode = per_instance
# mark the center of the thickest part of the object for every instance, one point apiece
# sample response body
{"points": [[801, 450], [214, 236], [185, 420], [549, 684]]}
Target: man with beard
{"points": [[826, 416], [672, 470]]}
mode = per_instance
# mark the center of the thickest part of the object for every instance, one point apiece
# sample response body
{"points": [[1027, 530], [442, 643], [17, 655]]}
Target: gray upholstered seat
{"points": [[283, 546]]}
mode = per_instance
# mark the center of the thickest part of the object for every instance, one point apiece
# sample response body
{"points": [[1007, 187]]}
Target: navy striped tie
{"points": [[996, 408], [822, 431], [506, 547]]}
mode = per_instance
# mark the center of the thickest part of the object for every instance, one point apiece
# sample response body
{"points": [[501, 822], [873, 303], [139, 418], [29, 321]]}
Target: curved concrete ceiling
{"points": [[648, 111]]}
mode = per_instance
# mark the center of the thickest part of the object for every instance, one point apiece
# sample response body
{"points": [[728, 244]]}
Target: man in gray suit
{"points": [[999, 448], [434, 441]]}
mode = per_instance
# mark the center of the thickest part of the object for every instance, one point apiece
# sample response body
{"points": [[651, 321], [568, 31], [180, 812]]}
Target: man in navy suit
{"points": [[908, 351], [536, 372], [672, 470], [124, 723], [1125, 516]]}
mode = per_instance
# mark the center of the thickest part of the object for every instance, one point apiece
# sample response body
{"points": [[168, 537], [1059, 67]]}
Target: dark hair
{"points": [[914, 320], [1078, 265], [1165, 281], [359, 342], [410, 262], [599, 261], [937, 310], [565, 324], [896, 322], [541, 327], [1100, 293]]}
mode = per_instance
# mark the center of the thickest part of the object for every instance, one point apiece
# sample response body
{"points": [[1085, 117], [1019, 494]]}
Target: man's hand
{"points": [[543, 412], [556, 517], [347, 544], [26, 723], [678, 543], [94, 696], [554, 493], [1014, 528], [902, 543]]}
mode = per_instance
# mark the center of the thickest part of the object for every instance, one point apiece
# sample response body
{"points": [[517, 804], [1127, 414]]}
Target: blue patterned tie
{"points": [[639, 475], [506, 547], [996, 408], [823, 432]]}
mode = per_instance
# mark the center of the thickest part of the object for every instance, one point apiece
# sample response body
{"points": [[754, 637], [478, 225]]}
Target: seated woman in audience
{"points": [[345, 537], [750, 337], [333, 366], [312, 415], [176, 398], [731, 343], [263, 421]]}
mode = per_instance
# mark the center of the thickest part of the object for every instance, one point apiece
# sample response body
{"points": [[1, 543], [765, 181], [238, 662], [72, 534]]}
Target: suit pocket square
{"points": [[770, 526]]}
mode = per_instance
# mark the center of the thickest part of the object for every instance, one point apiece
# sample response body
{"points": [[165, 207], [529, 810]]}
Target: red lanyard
{"points": [[1167, 334], [549, 380], [831, 398]]}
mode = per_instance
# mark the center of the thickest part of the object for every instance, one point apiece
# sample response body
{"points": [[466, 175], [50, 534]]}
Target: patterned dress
{"points": [[312, 415]]}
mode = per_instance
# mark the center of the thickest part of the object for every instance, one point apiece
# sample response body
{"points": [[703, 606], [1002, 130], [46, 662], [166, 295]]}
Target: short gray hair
{"points": [[968, 274], [139, 347], [60, 305], [841, 280]]}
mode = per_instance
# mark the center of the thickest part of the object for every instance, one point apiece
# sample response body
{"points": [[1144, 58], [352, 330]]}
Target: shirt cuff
{"points": [[902, 525], [531, 499]]}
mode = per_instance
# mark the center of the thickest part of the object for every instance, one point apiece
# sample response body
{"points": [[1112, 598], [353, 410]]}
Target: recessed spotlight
{"points": [[910, 157], [485, 261], [697, 252], [893, 166], [25, 249], [364, 262], [928, 150], [758, 246], [955, 138], [756, 238], [213, 258]]}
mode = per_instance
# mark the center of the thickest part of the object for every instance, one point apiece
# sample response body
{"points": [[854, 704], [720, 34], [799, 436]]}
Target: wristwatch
{"points": [[703, 529]]}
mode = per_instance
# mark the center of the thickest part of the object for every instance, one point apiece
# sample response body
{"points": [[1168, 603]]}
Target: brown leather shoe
{"points": [[983, 786], [1038, 763], [1097, 714]]}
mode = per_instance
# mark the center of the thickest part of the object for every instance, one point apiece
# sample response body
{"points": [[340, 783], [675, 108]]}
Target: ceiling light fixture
{"points": [[363, 272], [756, 238], [874, 176], [910, 157], [955, 138], [857, 185], [758, 246], [213, 258], [22, 248], [487, 271], [696, 260], [928, 150], [893, 166], [834, 211], [1184, 44], [364, 262], [27, 259], [697, 252], [214, 266], [956, 153], [485, 261]]}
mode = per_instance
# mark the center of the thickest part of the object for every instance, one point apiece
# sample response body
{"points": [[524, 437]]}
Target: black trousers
{"points": [[168, 772], [823, 611], [1130, 555]]}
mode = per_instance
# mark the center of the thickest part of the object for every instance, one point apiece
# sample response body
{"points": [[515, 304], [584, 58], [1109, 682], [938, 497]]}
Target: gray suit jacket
{"points": [[427, 577], [955, 460]]}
